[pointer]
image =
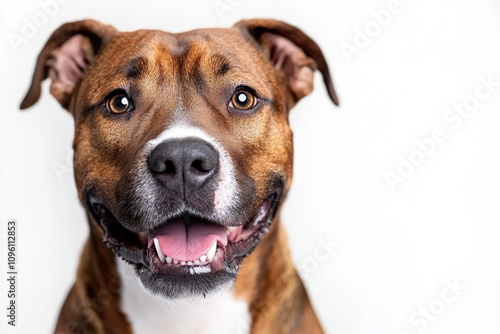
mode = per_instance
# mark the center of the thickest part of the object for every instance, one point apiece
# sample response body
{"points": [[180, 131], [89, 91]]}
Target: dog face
{"points": [[182, 147]]}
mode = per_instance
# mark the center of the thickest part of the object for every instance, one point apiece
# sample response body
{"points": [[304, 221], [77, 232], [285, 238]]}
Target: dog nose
{"points": [[183, 165]]}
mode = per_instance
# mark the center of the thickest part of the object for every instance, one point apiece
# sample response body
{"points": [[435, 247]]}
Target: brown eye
{"points": [[119, 103], [242, 100]]}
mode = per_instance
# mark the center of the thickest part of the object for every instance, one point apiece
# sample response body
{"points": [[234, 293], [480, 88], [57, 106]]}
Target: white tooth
{"points": [[196, 262], [183, 262], [176, 261], [203, 258], [211, 251], [190, 263], [228, 233], [158, 250], [168, 259]]}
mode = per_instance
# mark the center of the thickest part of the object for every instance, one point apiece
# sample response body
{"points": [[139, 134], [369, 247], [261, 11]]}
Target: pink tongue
{"points": [[187, 244]]}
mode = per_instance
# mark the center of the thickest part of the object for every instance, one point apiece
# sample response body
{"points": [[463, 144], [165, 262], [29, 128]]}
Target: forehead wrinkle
{"points": [[156, 65], [161, 58], [200, 51], [191, 63], [147, 59], [199, 61]]}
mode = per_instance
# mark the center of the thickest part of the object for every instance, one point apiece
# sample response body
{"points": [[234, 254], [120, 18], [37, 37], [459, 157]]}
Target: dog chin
{"points": [[174, 287]]}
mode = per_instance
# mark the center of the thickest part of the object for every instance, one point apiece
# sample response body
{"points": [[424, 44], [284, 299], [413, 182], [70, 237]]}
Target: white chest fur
{"points": [[221, 313]]}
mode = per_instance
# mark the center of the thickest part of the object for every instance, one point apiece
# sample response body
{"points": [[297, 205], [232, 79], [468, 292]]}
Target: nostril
{"points": [[169, 168], [198, 166]]}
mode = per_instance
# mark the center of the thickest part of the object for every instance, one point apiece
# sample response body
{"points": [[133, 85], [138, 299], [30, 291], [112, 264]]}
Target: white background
{"points": [[394, 249]]}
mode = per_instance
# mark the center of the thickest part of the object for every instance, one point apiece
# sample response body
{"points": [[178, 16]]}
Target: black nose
{"points": [[183, 165]]}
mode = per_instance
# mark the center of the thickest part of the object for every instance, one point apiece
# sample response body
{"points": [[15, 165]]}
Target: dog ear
{"points": [[64, 58], [292, 52]]}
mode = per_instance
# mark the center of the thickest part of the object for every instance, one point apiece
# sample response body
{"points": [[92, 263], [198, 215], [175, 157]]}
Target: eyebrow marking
{"points": [[222, 64], [135, 67], [198, 75]]}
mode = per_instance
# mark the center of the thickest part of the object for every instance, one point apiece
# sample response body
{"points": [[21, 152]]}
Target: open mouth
{"points": [[186, 245]]}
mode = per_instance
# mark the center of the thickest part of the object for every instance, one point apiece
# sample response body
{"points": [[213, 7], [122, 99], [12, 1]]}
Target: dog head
{"points": [[182, 148]]}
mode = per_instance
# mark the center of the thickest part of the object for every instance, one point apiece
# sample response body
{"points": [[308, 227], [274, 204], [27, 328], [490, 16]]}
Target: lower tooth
{"points": [[190, 263], [176, 261], [183, 262]]}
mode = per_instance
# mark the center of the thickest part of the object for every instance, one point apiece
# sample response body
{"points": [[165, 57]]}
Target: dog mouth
{"points": [[193, 241], [187, 245]]}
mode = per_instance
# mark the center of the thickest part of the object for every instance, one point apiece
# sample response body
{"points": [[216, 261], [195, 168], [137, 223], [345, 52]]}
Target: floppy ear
{"points": [[64, 58], [292, 52]]}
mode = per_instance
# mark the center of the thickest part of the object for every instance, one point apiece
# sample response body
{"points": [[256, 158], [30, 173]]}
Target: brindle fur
{"points": [[194, 68]]}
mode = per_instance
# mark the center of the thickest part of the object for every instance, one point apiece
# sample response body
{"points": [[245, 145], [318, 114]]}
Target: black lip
{"points": [[179, 280], [114, 234]]}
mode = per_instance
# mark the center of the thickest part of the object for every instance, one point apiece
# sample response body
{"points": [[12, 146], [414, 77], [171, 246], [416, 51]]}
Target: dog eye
{"points": [[242, 99], [119, 103]]}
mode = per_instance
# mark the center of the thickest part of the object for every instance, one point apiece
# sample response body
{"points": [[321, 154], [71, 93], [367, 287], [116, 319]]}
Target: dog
{"points": [[183, 155]]}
